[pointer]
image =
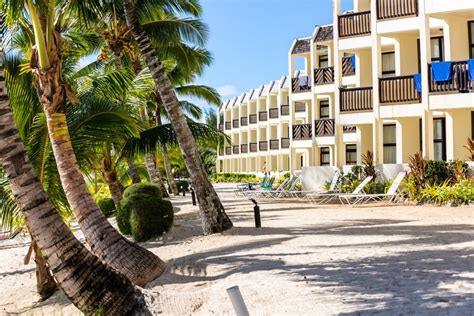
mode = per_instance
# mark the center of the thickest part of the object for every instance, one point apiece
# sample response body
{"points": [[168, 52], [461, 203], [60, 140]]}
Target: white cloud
{"points": [[227, 91]]}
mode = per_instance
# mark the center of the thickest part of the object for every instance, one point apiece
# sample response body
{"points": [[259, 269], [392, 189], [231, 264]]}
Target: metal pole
{"points": [[193, 196], [184, 191], [256, 213], [237, 301]]}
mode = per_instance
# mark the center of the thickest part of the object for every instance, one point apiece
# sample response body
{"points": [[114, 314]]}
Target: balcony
{"points": [[459, 80], [221, 127], [262, 116], [356, 99], [349, 129], [244, 148], [263, 145], [244, 121], [324, 127], [300, 107], [253, 147], [274, 144], [228, 126], [285, 143], [228, 150], [301, 84], [235, 150], [399, 89], [273, 113], [253, 118], [285, 110], [235, 123], [348, 69], [302, 131], [391, 9], [221, 151], [354, 24], [324, 75]]}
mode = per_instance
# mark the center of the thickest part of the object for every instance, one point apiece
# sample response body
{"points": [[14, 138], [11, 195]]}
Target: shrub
{"points": [[377, 187], [233, 177], [107, 206], [182, 184], [151, 219], [460, 193], [436, 172]]}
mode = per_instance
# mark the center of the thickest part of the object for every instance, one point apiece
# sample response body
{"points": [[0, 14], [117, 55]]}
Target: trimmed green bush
{"points": [[182, 184], [151, 219], [436, 172], [107, 206], [233, 177], [143, 188]]}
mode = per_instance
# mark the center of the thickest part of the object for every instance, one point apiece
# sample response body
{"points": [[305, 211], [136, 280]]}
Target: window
{"points": [[437, 49], [439, 138], [388, 64], [390, 143], [323, 61], [351, 154], [471, 38], [325, 156], [324, 109], [301, 161]]}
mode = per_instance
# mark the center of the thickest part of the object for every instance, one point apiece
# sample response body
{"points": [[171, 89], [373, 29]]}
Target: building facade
{"points": [[392, 77]]}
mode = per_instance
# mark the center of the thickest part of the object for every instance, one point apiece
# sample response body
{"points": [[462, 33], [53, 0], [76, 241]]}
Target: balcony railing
{"points": [[228, 125], [390, 9], [459, 79], [263, 145], [221, 126], [398, 89], [300, 107], [324, 75], [228, 150], [324, 127], [253, 147], [285, 143], [285, 110], [244, 148], [253, 118], [301, 84], [302, 131], [235, 123], [235, 150], [221, 151], [262, 116], [348, 129], [348, 69], [244, 121], [354, 24], [273, 113], [274, 144], [356, 99]]}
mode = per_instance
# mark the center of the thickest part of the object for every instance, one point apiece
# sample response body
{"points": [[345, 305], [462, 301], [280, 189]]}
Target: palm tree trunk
{"points": [[45, 284], [169, 173], [132, 169], [154, 174], [214, 218], [88, 283]]}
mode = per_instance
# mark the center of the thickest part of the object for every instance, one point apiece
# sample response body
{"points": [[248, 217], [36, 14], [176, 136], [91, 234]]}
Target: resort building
{"points": [[392, 76]]}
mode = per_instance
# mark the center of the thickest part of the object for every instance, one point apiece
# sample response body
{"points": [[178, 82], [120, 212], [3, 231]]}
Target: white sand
{"points": [[318, 260]]}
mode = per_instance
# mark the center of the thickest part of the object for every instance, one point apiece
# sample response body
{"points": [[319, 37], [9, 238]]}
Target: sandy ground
{"points": [[307, 259]]}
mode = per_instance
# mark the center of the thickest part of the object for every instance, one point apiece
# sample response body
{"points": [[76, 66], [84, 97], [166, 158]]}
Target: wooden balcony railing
{"points": [[398, 89], [235, 123], [253, 147], [244, 121], [235, 150], [285, 110], [302, 131], [253, 118], [301, 84], [389, 9], [354, 24], [324, 127], [324, 75], [459, 79], [347, 68], [356, 99], [228, 150], [300, 107], [273, 113], [347, 129], [221, 126], [244, 148], [263, 145], [285, 143], [228, 125], [274, 144], [262, 116]]}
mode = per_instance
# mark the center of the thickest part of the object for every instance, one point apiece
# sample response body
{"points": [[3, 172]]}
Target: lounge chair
{"points": [[327, 197], [392, 193], [252, 185], [309, 195], [281, 192], [265, 187]]}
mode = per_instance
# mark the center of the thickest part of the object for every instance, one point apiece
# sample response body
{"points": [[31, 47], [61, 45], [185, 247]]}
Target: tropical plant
{"points": [[236, 177], [107, 206], [436, 172], [368, 165], [470, 149], [457, 194]]}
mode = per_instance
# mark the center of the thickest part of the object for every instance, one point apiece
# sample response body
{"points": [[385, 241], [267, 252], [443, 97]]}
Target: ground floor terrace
{"points": [[305, 260]]}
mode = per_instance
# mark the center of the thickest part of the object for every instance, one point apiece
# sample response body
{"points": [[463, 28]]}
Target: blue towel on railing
{"points": [[353, 61], [470, 68], [304, 81], [441, 71], [417, 80]]}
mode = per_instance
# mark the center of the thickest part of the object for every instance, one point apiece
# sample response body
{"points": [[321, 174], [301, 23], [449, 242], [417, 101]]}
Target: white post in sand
{"points": [[237, 301]]}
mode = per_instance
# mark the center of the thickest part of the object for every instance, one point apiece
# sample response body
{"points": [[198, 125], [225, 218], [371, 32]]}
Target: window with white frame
{"points": [[324, 109], [323, 61], [388, 64], [439, 138], [351, 154], [325, 156], [390, 143]]}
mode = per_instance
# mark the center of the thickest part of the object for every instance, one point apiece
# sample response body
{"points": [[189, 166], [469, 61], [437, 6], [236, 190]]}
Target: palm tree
{"points": [[138, 264], [214, 218], [86, 281]]}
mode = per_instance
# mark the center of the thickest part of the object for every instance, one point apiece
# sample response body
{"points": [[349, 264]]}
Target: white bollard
{"points": [[237, 301]]}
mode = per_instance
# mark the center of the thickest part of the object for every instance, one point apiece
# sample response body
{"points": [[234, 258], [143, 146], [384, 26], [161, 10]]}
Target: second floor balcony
{"points": [[235, 150], [285, 143], [324, 127], [253, 118], [273, 113], [390, 9], [274, 144], [221, 127], [253, 147], [349, 129], [354, 24], [285, 110], [263, 116], [302, 131], [301, 84], [228, 126], [244, 148], [244, 121], [263, 145], [324, 75], [235, 123], [457, 81], [348, 66], [228, 150], [356, 99], [400, 89]]}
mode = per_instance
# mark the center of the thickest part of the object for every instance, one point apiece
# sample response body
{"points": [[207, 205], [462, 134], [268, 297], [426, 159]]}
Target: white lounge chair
{"points": [[326, 197]]}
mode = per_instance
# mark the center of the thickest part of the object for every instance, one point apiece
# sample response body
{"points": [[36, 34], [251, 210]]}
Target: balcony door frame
{"points": [[470, 32]]}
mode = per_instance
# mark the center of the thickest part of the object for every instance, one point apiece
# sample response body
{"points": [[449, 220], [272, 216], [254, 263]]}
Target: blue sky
{"points": [[250, 39]]}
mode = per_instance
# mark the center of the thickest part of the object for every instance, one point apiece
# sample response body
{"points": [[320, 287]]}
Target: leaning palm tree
{"points": [[214, 218], [47, 61]]}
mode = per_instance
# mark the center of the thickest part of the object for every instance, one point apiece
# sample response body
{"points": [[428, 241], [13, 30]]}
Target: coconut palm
{"points": [[48, 59]]}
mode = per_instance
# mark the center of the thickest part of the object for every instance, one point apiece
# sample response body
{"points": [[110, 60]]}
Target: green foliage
{"points": [[368, 165], [233, 177], [281, 179], [436, 172], [377, 187], [457, 194], [107, 206], [182, 184]]}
